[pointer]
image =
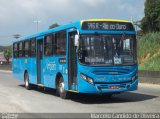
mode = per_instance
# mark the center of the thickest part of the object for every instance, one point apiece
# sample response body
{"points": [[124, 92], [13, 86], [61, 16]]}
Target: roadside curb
{"points": [[149, 84], [5, 71], [149, 80], [146, 73]]}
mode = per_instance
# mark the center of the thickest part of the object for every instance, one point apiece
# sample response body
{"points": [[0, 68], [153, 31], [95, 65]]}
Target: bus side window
{"points": [[33, 47], [54, 39], [61, 43], [48, 46], [26, 48], [21, 49]]}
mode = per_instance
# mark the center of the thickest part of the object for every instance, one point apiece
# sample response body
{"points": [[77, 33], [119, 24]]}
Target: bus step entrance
{"points": [[73, 87]]}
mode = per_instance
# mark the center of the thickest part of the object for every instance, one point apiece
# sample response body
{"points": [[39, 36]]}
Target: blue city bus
{"points": [[95, 56]]}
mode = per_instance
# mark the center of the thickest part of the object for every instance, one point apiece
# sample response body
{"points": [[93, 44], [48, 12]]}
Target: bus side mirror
{"points": [[76, 40]]}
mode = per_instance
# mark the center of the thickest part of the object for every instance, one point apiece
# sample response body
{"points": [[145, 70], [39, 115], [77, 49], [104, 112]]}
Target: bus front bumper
{"points": [[107, 88]]}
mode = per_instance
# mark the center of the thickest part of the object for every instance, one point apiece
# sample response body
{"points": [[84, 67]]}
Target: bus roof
{"points": [[70, 25]]}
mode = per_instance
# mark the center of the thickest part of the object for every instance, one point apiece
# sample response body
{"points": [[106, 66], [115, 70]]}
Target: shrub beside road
{"points": [[149, 52]]}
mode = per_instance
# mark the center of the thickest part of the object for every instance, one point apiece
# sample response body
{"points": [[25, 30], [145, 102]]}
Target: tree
{"points": [[151, 20], [53, 26], [7, 54], [17, 36]]}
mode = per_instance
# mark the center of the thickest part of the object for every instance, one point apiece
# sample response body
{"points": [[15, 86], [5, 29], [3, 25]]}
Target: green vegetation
{"points": [[53, 25], [151, 20], [2, 48], [149, 51], [7, 54], [149, 43]]}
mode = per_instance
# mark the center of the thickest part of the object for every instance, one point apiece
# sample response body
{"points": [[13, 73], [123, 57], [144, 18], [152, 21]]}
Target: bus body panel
{"points": [[32, 70], [104, 80], [19, 67], [16, 69], [51, 66], [91, 89], [51, 69]]}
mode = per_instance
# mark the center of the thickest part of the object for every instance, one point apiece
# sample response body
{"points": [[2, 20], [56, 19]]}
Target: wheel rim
{"points": [[26, 81], [61, 87]]}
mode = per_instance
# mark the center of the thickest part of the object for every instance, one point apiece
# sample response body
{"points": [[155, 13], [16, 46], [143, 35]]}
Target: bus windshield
{"points": [[107, 49]]}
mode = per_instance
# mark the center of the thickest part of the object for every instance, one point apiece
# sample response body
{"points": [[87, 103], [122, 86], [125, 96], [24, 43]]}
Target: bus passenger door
{"points": [[39, 61], [72, 61]]}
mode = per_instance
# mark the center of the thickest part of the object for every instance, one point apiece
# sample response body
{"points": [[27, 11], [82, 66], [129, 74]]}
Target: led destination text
{"points": [[107, 26]]}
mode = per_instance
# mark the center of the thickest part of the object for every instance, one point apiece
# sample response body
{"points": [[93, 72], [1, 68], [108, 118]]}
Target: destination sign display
{"points": [[121, 26]]}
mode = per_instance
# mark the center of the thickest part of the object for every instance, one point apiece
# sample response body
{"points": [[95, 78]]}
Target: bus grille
{"points": [[111, 71], [105, 86]]}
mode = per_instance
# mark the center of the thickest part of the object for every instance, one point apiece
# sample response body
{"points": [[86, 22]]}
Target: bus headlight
{"points": [[134, 77], [87, 78]]}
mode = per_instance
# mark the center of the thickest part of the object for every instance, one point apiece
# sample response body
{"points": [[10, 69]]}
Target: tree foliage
{"points": [[151, 20], [53, 25], [7, 54]]}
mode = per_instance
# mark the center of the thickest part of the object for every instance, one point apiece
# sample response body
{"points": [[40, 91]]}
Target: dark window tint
{"points": [[54, 44], [21, 49], [48, 47], [26, 48], [15, 50], [33, 48], [61, 43]]}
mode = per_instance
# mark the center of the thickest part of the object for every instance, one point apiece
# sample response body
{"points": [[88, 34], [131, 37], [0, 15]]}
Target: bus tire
{"points": [[61, 89], [26, 81]]}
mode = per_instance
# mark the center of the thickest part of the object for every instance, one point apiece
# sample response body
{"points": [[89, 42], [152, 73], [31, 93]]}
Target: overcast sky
{"points": [[17, 16]]}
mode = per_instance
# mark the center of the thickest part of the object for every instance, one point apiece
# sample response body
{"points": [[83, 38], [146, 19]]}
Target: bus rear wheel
{"points": [[26, 81], [61, 89]]}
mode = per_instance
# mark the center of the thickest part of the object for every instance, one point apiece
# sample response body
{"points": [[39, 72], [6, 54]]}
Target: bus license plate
{"points": [[114, 87]]}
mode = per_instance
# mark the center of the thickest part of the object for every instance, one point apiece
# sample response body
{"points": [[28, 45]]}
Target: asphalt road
{"points": [[15, 98]]}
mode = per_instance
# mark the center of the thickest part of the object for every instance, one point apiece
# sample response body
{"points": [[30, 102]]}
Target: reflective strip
{"points": [[109, 20], [41, 85], [74, 91]]}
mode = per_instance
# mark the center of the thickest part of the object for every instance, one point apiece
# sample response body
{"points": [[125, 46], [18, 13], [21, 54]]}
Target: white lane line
{"points": [[5, 71], [149, 84]]}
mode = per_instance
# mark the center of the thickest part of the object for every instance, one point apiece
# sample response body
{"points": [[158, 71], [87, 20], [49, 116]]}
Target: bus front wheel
{"points": [[26, 80], [61, 89]]}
